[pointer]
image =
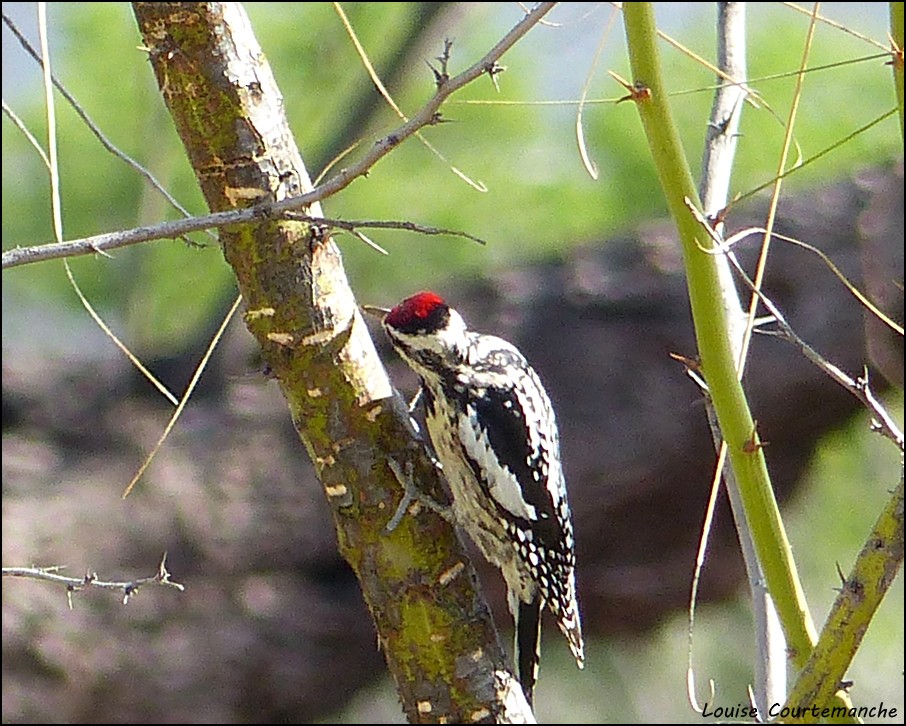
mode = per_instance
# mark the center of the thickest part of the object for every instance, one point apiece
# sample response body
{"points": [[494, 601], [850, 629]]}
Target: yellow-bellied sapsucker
{"points": [[494, 433]]}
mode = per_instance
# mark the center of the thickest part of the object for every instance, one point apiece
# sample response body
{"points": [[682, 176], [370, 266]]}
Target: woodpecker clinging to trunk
{"points": [[494, 433]]}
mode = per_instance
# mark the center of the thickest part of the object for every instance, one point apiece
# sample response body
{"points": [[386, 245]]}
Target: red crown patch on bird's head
{"points": [[423, 312]]}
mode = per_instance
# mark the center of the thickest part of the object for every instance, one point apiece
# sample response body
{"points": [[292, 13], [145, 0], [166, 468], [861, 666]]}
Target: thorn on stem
{"points": [[840, 574], [752, 444], [638, 91], [494, 70], [691, 363], [896, 52], [441, 75]]}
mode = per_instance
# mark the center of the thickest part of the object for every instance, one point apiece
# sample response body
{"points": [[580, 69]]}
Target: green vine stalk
{"points": [[711, 329]]}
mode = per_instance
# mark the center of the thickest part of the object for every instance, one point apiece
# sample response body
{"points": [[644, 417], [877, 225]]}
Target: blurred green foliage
{"points": [[540, 199]]}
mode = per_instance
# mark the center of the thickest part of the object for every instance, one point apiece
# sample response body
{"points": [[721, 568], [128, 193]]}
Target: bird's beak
{"points": [[374, 311]]}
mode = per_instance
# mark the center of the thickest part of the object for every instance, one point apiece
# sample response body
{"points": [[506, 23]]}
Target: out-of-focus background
{"points": [[583, 275]]}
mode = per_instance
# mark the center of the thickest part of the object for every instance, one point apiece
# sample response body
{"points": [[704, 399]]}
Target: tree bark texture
{"points": [[432, 625]]}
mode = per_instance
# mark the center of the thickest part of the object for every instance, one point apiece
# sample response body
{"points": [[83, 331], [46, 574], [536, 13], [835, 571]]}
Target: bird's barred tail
{"points": [[572, 628], [566, 609]]}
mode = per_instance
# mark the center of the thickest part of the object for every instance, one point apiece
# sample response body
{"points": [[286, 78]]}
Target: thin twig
{"points": [[74, 584], [108, 331], [807, 161], [834, 24], [863, 300], [352, 225], [385, 94], [113, 240], [55, 200], [20, 124], [196, 376], [761, 266], [882, 422], [428, 116], [590, 167], [92, 126]]}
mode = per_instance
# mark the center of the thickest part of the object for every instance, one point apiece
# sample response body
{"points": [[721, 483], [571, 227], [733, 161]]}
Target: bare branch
{"points": [[428, 116], [173, 230], [74, 584], [113, 240], [882, 421], [717, 165], [351, 225]]}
